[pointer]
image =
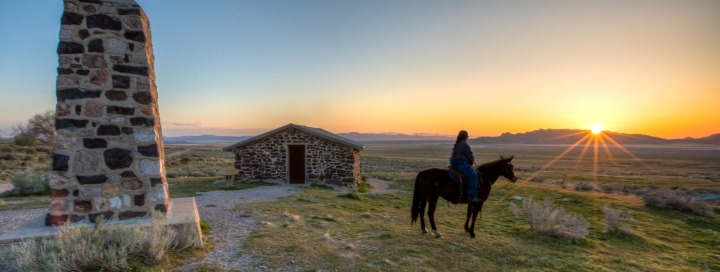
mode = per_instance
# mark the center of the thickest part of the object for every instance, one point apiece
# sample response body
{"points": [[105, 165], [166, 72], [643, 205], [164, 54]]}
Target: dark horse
{"points": [[430, 184]]}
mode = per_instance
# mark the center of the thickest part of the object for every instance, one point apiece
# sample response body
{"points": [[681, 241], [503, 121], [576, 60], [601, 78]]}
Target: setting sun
{"points": [[596, 128]]}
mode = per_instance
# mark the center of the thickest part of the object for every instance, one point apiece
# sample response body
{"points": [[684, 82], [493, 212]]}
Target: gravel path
{"points": [[229, 227], [13, 219], [6, 187], [379, 186]]}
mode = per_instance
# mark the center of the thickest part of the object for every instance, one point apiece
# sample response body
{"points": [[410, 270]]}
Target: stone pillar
{"points": [[109, 157]]}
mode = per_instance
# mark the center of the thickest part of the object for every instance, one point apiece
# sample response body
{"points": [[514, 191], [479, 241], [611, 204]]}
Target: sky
{"points": [[235, 67]]}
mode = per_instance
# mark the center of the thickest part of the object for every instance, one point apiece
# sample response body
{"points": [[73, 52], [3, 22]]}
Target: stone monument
{"points": [[108, 159]]}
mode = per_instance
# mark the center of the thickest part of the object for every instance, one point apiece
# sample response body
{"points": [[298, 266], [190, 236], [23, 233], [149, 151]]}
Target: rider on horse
{"points": [[462, 158]]}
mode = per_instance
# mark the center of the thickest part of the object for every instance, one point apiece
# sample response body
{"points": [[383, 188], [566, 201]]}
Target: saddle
{"points": [[455, 175], [460, 181]]}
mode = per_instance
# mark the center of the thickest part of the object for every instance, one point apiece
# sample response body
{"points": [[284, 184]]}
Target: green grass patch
{"points": [[204, 227], [321, 186], [352, 196], [322, 230], [24, 202], [364, 187]]}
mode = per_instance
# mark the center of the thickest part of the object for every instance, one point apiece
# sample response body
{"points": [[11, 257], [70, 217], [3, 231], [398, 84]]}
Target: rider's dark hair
{"points": [[461, 136]]}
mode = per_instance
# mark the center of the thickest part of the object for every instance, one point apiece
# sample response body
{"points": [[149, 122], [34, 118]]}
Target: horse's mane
{"points": [[490, 170], [490, 165]]}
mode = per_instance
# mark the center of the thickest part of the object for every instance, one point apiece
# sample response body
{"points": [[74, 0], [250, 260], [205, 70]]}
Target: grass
{"points": [[198, 161], [319, 230], [190, 186], [24, 202], [14, 158], [364, 187]]}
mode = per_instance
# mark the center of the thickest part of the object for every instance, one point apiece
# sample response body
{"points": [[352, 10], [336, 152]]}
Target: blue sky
{"points": [[241, 67]]}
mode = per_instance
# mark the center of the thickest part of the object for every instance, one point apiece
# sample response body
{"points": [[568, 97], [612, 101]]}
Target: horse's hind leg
{"points": [[422, 217], [431, 216]]}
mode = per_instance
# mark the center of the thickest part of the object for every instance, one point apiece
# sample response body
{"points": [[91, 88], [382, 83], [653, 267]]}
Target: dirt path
{"points": [[380, 186], [4, 187], [13, 219], [230, 227]]}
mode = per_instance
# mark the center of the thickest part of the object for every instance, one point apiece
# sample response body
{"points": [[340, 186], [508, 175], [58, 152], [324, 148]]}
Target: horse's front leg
{"points": [[431, 216], [477, 210], [467, 218]]}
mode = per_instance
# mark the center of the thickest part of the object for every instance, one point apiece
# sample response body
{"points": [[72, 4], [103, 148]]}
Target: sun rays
{"points": [[600, 142], [596, 140]]}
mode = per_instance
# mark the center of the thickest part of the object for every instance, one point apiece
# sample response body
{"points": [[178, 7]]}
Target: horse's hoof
{"points": [[437, 234], [424, 231]]}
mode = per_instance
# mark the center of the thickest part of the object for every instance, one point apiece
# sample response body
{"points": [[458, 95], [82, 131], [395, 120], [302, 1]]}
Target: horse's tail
{"points": [[417, 199]]}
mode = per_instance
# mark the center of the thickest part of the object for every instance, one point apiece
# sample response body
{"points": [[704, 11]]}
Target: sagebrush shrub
{"points": [[538, 179], [98, 248], [30, 182], [617, 220], [667, 199], [584, 186], [544, 218]]}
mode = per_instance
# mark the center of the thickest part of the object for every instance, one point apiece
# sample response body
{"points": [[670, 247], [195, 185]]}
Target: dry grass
{"points": [[617, 220], [544, 218], [667, 199], [317, 230], [340, 233], [116, 248], [538, 179], [585, 186]]}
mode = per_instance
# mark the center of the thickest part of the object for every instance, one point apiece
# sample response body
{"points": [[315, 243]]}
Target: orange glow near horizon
{"points": [[599, 142]]}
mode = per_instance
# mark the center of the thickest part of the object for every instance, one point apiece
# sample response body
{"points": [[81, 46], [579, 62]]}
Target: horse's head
{"points": [[506, 168]]}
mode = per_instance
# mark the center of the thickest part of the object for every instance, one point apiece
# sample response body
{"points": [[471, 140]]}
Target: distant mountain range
{"points": [[571, 136], [541, 136], [355, 136], [204, 139], [362, 137], [711, 140]]}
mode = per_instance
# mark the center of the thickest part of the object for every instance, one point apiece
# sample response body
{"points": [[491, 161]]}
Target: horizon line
{"points": [[422, 134]]}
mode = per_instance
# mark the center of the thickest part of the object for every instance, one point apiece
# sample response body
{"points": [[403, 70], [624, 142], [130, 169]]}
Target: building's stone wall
{"points": [[109, 155], [326, 161]]}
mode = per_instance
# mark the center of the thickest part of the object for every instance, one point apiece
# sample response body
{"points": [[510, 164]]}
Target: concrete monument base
{"points": [[182, 211]]}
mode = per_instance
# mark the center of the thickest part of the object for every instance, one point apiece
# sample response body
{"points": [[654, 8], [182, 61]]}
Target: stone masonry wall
{"points": [[326, 161], [109, 156]]}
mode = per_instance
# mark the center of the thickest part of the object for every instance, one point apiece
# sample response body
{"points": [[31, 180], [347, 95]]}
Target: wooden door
{"points": [[296, 163]]}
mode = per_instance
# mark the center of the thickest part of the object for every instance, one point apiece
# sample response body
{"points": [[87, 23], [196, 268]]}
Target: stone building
{"points": [[298, 154]]}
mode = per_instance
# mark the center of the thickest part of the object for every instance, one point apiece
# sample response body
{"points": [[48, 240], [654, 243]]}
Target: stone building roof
{"points": [[318, 132]]}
